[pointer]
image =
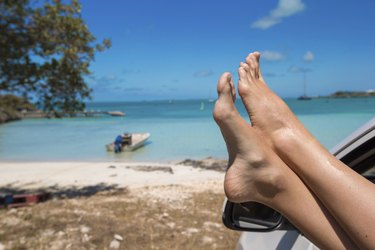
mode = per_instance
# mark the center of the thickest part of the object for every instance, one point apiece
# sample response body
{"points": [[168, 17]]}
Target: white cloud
{"points": [[265, 22], [203, 73], [308, 56], [272, 55], [285, 8], [295, 69]]}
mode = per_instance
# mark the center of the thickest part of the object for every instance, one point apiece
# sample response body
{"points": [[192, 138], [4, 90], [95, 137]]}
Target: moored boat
{"points": [[136, 140], [304, 98]]}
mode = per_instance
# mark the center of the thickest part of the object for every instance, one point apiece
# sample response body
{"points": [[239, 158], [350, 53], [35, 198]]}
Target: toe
{"points": [[224, 85], [257, 55], [249, 58], [224, 107], [242, 73], [244, 80], [253, 65], [257, 64], [233, 89]]}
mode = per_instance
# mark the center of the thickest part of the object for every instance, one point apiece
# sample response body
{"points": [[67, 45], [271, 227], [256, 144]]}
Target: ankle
{"points": [[288, 140], [270, 183]]}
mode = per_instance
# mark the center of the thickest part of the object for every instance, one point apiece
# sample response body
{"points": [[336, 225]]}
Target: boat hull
{"points": [[138, 140]]}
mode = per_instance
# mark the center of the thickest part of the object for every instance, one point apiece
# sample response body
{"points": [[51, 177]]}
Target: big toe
{"points": [[224, 107], [225, 87], [253, 61]]}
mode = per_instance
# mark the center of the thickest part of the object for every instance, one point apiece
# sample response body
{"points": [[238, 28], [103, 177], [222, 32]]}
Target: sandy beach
{"points": [[183, 200], [130, 175]]}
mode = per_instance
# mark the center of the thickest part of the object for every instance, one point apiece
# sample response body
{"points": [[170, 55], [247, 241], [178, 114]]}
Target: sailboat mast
{"points": [[304, 84]]}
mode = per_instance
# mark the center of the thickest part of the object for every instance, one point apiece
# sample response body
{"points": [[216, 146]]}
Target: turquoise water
{"points": [[179, 130]]}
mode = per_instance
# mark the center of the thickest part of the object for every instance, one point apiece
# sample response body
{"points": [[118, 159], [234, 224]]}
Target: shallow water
{"points": [[179, 130]]}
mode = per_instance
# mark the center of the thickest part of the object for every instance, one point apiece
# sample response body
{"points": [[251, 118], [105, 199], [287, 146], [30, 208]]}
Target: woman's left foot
{"points": [[253, 173]]}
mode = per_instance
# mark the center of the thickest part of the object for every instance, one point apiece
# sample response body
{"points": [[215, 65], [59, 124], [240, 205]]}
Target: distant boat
{"points": [[304, 97], [116, 113], [202, 106], [136, 140], [211, 100]]}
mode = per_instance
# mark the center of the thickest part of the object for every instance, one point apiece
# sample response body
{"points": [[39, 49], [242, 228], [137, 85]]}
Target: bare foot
{"points": [[254, 172], [340, 189], [268, 113]]}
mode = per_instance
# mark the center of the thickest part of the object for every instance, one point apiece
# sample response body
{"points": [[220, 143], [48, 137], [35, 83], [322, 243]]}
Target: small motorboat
{"points": [[130, 142], [116, 113]]}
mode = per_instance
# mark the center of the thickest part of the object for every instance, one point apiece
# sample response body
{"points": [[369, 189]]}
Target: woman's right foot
{"points": [[268, 113], [338, 187]]}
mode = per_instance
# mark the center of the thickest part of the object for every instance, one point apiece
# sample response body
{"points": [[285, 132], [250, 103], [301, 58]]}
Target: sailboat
{"points": [[304, 97], [210, 99], [202, 106]]}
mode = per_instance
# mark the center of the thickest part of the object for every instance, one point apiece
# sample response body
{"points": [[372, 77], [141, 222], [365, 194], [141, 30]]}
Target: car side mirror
{"points": [[253, 216]]}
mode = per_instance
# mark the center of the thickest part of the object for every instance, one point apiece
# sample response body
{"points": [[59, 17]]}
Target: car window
{"points": [[371, 171], [362, 158]]}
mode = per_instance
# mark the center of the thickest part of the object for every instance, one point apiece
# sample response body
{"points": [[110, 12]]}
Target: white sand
{"points": [[80, 174]]}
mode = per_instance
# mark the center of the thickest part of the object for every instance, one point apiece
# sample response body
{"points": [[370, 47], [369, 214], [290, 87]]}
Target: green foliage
{"points": [[45, 52], [341, 94], [10, 106], [15, 102]]}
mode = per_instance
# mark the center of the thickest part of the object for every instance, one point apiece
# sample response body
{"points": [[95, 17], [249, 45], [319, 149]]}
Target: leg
{"points": [[340, 189], [256, 173]]}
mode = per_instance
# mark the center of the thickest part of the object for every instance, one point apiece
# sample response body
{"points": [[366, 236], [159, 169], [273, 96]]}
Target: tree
{"points": [[45, 53]]}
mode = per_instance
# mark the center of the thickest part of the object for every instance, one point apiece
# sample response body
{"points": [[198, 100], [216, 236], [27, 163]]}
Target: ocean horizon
{"points": [[179, 129]]}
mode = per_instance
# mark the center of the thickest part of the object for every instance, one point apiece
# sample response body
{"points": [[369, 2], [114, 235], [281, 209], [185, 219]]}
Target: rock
{"points": [[206, 164], [22, 240], [112, 166], [166, 169], [47, 233], [60, 234], [171, 224], [118, 237], [208, 224], [190, 231], [207, 240], [85, 229], [86, 238], [115, 244], [12, 211]]}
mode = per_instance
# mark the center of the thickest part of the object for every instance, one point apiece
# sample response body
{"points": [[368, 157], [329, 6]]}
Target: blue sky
{"points": [[163, 49]]}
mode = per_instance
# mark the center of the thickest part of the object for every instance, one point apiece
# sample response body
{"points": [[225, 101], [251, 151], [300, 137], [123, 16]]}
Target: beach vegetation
{"points": [[11, 106], [45, 53], [347, 94]]}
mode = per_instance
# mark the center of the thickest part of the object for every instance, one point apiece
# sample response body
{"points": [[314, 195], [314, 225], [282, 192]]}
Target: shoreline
{"points": [[45, 175]]}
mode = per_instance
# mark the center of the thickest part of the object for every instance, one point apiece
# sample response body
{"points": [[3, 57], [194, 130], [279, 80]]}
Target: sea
{"points": [[180, 129]]}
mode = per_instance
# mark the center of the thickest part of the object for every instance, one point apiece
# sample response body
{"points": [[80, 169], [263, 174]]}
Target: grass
{"points": [[189, 221]]}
